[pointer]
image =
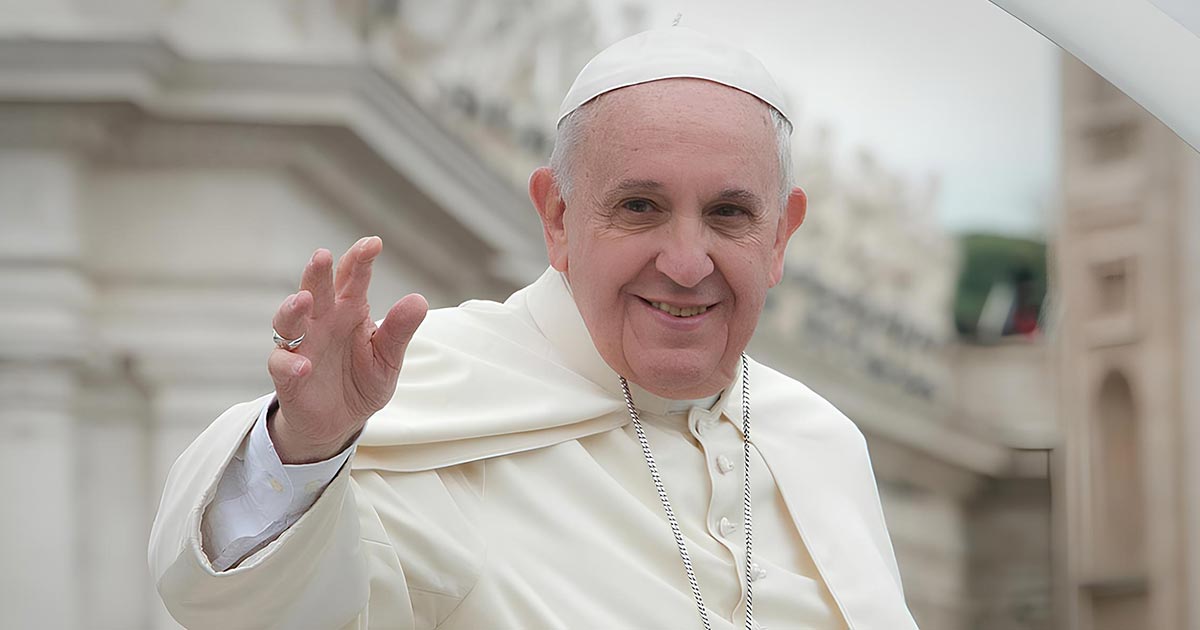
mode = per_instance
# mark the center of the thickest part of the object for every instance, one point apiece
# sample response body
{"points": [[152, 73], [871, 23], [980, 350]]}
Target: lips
{"points": [[678, 311]]}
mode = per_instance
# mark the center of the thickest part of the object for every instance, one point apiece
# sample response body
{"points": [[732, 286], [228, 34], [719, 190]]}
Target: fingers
{"points": [[291, 320], [391, 339], [354, 269], [287, 369], [318, 280]]}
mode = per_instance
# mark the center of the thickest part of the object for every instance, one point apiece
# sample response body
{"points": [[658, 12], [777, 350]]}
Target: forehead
{"points": [[684, 126], [696, 102]]}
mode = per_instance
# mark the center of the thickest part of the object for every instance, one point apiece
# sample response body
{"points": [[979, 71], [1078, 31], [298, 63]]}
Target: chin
{"points": [[680, 374]]}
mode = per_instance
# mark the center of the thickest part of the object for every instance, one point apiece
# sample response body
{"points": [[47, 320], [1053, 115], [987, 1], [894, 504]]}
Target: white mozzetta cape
{"points": [[436, 523]]}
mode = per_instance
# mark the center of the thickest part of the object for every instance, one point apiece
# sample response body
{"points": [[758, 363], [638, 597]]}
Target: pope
{"points": [[595, 452]]}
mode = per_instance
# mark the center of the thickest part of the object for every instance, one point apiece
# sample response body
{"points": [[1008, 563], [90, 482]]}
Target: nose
{"points": [[683, 256]]}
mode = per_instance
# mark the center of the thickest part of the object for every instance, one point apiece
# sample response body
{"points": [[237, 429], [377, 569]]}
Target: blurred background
{"points": [[996, 279]]}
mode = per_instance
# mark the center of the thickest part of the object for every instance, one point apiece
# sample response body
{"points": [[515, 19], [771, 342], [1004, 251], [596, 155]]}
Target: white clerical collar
{"points": [[549, 301], [684, 406]]}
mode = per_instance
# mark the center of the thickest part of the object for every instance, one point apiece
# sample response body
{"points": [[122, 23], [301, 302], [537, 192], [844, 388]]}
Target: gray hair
{"points": [[574, 125]]}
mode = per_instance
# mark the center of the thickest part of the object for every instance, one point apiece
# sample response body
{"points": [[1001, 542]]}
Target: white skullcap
{"points": [[672, 52]]}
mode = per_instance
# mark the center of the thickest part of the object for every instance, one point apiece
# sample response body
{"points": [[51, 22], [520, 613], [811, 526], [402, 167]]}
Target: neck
{"points": [[678, 391]]}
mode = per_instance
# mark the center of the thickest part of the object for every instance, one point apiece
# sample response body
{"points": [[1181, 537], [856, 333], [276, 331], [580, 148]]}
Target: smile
{"points": [[677, 311]]}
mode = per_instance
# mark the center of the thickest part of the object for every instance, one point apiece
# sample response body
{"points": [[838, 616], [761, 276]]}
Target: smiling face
{"points": [[672, 230]]}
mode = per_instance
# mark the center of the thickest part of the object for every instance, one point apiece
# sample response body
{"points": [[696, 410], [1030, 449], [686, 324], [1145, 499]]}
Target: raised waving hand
{"points": [[345, 368]]}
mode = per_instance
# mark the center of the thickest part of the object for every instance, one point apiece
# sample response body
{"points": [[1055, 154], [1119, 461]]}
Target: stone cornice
{"points": [[151, 78]]}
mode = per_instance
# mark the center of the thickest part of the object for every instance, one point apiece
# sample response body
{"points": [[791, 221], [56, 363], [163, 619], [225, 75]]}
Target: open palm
{"points": [[346, 367]]}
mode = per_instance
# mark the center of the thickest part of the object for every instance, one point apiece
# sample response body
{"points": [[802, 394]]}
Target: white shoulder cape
{"points": [[487, 379]]}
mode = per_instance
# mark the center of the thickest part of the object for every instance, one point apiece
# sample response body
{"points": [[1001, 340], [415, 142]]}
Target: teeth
{"points": [[679, 312]]}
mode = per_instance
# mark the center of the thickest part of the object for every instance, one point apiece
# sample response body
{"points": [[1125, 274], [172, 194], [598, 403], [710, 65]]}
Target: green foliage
{"points": [[988, 259]]}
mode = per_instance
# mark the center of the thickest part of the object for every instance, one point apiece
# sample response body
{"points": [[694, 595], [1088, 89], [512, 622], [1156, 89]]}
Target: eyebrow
{"points": [[635, 185], [740, 196], [733, 195]]}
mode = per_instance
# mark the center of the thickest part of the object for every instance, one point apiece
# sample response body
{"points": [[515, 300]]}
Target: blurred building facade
{"points": [[166, 167], [1127, 261], [864, 317]]}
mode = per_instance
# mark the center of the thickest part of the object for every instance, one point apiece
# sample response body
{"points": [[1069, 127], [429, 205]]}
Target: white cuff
{"points": [[258, 496], [285, 488]]}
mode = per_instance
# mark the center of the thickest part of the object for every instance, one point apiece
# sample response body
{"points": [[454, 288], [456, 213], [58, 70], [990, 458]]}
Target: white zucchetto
{"points": [[672, 52]]}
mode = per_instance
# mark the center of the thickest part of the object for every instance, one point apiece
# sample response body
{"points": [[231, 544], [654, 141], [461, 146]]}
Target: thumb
{"points": [[391, 339]]}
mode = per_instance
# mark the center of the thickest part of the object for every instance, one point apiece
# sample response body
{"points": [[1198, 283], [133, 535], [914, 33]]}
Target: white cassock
{"points": [[504, 487]]}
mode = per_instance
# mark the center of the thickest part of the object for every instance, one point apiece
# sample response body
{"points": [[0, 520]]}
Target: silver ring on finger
{"points": [[287, 344]]}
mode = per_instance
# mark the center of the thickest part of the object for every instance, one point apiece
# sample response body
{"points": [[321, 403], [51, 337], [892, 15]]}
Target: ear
{"points": [[551, 207], [793, 216]]}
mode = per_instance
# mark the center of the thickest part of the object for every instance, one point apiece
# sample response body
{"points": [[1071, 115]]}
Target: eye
{"points": [[729, 212], [638, 206]]}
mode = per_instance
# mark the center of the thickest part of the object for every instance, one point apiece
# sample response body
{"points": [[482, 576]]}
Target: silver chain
{"points": [[747, 520]]}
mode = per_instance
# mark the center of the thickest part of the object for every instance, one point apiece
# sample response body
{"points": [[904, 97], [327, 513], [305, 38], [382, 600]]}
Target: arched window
{"points": [[1116, 464], [1119, 597]]}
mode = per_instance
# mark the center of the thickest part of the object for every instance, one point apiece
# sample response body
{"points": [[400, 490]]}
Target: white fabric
{"points": [[259, 496], [503, 487], [251, 506], [683, 406], [670, 53]]}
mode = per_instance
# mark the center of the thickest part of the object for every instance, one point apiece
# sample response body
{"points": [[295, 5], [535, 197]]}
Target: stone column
{"points": [[43, 339], [113, 507], [185, 290]]}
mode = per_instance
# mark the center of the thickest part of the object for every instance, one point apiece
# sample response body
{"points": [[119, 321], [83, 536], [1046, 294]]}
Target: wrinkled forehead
{"points": [[678, 130], [706, 106], [672, 53]]}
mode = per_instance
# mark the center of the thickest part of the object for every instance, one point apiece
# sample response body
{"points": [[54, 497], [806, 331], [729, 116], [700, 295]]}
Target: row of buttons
{"points": [[310, 487], [726, 528], [724, 465]]}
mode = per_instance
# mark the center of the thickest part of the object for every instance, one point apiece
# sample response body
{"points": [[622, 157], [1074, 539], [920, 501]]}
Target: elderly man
{"points": [[596, 452]]}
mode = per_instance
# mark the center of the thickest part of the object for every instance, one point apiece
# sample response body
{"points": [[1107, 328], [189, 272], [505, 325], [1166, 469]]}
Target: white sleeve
{"points": [[259, 497]]}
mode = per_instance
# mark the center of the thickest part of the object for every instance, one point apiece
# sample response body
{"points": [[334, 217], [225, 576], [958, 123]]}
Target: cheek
{"points": [[612, 258], [598, 272], [749, 276]]}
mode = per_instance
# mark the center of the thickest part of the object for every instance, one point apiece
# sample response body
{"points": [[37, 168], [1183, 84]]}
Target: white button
{"points": [[275, 485], [703, 424], [724, 464], [757, 572], [725, 526]]}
